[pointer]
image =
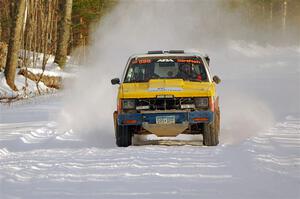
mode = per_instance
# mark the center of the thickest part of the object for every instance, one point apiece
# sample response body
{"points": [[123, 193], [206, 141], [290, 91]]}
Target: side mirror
{"points": [[216, 79], [115, 81], [207, 59]]}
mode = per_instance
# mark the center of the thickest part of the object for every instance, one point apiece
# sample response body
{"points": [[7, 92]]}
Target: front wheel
{"points": [[211, 131], [123, 136]]}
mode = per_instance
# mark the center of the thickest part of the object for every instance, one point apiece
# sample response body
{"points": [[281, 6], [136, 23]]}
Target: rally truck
{"points": [[167, 93]]}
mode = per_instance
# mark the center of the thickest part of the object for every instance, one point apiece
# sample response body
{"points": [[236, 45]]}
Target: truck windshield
{"points": [[186, 68]]}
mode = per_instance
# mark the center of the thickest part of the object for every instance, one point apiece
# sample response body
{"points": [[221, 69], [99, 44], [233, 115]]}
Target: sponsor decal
{"points": [[188, 61], [165, 60], [165, 89]]}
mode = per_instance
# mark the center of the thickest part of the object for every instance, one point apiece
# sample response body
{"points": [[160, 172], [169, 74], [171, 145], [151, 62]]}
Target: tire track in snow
{"points": [[38, 162], [139, 166], [35, 135], [134, 164], [278, 151]]}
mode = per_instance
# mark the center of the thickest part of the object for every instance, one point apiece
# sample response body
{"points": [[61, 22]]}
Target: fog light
{"points": [[187, 106], [142, 107]]}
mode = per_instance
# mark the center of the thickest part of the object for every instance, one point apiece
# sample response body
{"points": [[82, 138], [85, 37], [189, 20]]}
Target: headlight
{"points": [[201, 102], [128, 104]]}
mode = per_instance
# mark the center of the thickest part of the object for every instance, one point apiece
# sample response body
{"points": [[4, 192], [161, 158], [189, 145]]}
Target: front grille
{"points": [[164, 103]]}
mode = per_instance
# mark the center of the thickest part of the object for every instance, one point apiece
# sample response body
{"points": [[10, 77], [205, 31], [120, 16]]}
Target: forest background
{"points": [[63, 27]]}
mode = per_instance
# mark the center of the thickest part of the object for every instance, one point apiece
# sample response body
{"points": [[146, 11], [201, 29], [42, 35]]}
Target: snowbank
{"points": [[54, 72], [23, 91], [28, 87]]}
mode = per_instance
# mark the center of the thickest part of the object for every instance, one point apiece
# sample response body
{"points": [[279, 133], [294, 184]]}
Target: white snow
{"points": [[53, 72], [31, 89], [20, 82], [62, 145], [38, 161]]}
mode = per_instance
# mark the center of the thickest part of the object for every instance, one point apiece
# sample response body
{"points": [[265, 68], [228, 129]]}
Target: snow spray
{"points": [[138, 26]]}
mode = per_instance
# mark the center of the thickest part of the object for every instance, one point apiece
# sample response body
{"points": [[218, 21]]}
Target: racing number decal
{"points": [[142, 61]]}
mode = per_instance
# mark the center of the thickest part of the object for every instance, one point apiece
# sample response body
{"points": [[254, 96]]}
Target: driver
{"points": [[185, 71]]}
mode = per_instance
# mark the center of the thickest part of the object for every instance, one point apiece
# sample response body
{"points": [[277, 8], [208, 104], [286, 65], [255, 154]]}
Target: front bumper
{"points": [[192, 117]]}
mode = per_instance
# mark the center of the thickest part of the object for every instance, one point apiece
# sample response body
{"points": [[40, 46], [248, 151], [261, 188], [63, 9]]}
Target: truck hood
{"points": [[175, 87]]}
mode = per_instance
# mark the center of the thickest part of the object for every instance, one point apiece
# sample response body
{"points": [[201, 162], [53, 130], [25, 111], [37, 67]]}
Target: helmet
{"points": [[186, 68]]}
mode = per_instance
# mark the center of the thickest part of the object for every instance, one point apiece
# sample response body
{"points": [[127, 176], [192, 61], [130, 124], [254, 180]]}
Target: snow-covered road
{"points": [[36, 161]]}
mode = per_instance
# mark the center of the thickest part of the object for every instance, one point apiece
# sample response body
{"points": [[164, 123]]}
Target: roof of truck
{"points": [[169, 53]]}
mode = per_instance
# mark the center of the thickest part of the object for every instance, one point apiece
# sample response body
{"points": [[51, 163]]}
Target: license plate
{"points": [[165, 119]]}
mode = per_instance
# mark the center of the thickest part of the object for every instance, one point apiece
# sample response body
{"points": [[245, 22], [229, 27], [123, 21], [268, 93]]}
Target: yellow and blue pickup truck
{"points": [[167, 93]]}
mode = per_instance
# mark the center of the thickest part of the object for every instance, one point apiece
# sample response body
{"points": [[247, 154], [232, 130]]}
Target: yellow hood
{"points": [[175, 87]]}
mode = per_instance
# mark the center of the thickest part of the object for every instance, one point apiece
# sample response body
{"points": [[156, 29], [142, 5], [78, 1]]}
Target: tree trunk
{"points": [[284, 15], [63, 33], [0, 28], [14, 44], [3, 53]]}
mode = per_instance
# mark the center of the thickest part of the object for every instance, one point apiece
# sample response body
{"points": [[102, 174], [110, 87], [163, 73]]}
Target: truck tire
{"points": [[123, 136], [212, 130]]}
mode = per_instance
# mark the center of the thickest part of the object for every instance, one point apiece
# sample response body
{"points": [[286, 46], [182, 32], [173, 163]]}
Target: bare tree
{"points": [[284, 13], [0, 29], [63, 33], [14, 44]]}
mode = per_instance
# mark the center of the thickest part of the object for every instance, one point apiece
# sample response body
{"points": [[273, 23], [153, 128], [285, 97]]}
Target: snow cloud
{"points": [[243, 116], [139, 26]]}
